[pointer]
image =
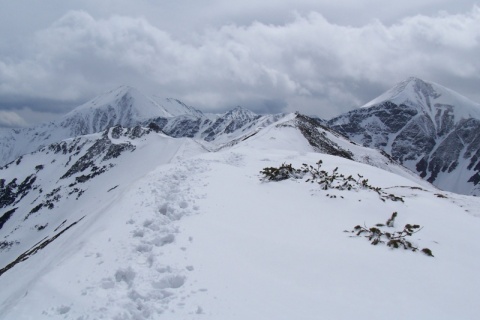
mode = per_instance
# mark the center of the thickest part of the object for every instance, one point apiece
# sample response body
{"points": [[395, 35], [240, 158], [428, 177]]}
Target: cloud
{"points": [[308, 64], [10, 119]]}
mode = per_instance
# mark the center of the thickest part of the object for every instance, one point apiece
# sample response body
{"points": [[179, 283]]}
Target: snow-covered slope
{"points": [[324, 140], [217, 130], [127, 107], [428, 128], [174, 107], [44, 192], [172, 232], [123, 106], [428, 97]]}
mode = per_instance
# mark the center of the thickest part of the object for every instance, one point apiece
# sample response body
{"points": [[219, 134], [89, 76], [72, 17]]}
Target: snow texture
{"points": [[145, 208], [173, 231]]}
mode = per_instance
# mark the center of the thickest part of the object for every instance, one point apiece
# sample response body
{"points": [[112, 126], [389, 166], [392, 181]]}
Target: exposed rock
{"points": [[429, 129]]}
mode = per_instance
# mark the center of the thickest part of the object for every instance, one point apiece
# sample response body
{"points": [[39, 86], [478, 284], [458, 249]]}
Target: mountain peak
{"points": [[414, 79], [428, 128], [112, 97], [421, 87], [174, 107], [404, 91], [426, 97], [123, 88], [240, 113], [124, 105]]}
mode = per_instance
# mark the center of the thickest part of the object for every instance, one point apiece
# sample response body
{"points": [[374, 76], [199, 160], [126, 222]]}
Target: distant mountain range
{"points": [[425, 127], [131, 207], [127, 107]]}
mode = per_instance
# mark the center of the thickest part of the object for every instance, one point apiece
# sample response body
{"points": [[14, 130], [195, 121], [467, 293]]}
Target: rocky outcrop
{"points": [[427, 128]]}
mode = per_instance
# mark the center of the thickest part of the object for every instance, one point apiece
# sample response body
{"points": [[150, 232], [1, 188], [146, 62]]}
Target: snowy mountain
{"points": [[39, 190], [127, 107], [218, 130], [123, 106], [130, 223], [427, 128], [174, 107]]}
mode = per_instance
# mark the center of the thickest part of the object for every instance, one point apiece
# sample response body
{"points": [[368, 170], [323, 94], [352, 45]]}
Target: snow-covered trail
{"points": [[64, 271], [278, 250], [203, 238]]}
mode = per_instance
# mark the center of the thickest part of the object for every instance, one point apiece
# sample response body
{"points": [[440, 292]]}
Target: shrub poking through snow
{"points": [[391, 220], [284, 172], [395, 239], [324, 179]]}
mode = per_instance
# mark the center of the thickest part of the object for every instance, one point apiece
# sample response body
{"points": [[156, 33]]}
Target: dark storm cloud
{"points": [[19, 111], [263, 56], [43, 104]]}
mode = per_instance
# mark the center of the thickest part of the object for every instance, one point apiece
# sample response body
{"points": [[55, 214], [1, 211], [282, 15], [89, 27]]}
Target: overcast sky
{"points": [[315, 56]]}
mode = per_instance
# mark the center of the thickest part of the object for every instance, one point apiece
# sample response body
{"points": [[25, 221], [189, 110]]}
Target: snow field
{"points": [[282, 254], [201, 237], [123, 274]]}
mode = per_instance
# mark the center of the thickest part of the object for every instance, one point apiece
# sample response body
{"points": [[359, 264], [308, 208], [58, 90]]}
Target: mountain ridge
{"points": [[127, 107], [134, 224], [418, 124], [176, 218], [415, 122]]}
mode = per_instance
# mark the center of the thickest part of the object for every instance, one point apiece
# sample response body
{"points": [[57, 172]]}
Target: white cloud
{"points": [[11, 119], [308, 64]]}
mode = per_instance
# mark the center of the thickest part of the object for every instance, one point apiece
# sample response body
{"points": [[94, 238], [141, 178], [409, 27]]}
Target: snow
{"points": [[174, 107], [125, 106], [425, 95], [196, 235], [128, 107], [434, 125], [143, 107]]}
